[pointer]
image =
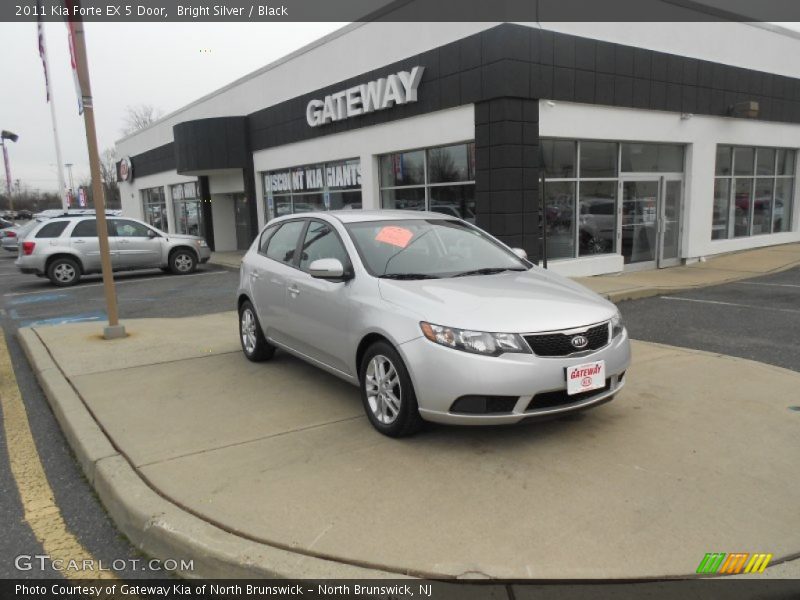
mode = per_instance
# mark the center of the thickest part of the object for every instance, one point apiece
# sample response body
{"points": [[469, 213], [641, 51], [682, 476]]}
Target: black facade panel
{"points": [[604, 89], [605, 57], [623, 61], [206, 144], [641, 93], [470, 52], [623, 91], [470, 82], [659, 63], [153, 161], [547, 47], [564, 51], [584, 86], [541, 81], [674, 69], [449, 59], [642, 63], [564, 83], [691, 68], [585, 54]]}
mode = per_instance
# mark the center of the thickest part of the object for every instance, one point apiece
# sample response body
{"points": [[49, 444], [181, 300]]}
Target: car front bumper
{"points": [[442, 375]]}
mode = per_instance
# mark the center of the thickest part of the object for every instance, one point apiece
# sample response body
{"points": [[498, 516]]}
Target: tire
{"points": [[392, 407], [64, 271], [255, 346], [182, 262]]}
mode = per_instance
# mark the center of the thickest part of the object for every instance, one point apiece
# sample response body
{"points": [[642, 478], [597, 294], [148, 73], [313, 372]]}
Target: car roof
{"points": [[360, 216]]}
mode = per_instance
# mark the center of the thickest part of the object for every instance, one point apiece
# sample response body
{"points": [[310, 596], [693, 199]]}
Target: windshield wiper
{"points": [[408, 276], [486, 271]]}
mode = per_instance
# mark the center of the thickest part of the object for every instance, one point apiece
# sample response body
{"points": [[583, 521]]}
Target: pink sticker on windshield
{"points": [[396, 236]]}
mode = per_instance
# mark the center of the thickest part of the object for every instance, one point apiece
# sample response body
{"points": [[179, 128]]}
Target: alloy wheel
{"points": [[64, 272], [248, 325], [183, 263], [384, 393]]}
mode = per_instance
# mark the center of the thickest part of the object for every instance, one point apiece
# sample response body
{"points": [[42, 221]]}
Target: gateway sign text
{"points": [[398, 88]]}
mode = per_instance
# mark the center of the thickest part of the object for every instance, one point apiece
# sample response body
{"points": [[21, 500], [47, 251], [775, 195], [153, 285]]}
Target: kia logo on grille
{"points": [[579, 341]]}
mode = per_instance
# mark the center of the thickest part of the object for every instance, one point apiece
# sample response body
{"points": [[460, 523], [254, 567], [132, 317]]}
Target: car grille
{"points": [[559, 344], [560, 397]]}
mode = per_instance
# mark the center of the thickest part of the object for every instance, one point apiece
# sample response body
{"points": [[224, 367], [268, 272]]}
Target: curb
{"points": [[153, 524], [648, 292]]}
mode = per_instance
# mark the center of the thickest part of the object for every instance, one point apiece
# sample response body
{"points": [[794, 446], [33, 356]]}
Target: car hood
{"points": [[514, 301]]}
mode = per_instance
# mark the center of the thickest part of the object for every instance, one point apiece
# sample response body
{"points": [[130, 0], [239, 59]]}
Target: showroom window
{"points": [[309, 188], [188, 209], [154, 206], [581, 183], [440, 179], [753, 190]]}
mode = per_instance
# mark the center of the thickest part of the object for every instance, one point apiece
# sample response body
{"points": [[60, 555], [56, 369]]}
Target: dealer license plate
{"points": [[586, 377]]}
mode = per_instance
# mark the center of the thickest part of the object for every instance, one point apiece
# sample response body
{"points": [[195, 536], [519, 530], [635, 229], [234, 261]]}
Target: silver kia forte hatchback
{"points": [[432, 318]]}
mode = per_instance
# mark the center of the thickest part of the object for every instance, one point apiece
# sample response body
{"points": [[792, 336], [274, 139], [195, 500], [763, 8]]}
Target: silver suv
{"points": [[63, 249]]}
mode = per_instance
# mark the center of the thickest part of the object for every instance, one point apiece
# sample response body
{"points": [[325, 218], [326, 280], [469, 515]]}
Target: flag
{"points": [[42, 47], [72, 59]]}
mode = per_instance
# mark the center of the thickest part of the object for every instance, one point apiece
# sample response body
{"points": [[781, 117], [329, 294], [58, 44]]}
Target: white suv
{"points": [[63, 249]]}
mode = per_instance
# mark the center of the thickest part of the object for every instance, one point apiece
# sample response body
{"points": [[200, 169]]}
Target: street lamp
{"points": [[7, 135]]}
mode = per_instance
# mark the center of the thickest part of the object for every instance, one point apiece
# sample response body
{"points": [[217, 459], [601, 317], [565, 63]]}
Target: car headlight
{"points": [[202, 243], [616, 325], [477, 342]]}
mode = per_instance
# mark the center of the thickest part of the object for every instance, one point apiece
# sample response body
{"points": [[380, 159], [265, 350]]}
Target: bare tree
{"points": [[139, 117], [108, 171]]}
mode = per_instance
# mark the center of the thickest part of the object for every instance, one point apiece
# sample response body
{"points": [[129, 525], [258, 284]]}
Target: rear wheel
{"points": [[64, 271], [254, 345], [182, 262], [387, 393]]}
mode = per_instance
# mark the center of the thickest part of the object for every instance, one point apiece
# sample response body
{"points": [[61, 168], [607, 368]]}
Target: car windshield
{"points": [[429, 248]]}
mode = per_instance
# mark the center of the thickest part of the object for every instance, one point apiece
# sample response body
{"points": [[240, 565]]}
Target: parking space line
{"points": [[789, 285], [116, 282], [38, 501], [719, 302]]}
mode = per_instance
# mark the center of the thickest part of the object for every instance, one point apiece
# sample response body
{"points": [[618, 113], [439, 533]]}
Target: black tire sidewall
{"points": [[408, 421], [58, 261], [174, 256]]}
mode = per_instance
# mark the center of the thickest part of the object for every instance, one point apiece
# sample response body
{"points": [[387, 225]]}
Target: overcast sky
{"points": [[167, 65]]}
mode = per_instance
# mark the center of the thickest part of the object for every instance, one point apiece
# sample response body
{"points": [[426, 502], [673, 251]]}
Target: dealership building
{"points": [[644, 144]]}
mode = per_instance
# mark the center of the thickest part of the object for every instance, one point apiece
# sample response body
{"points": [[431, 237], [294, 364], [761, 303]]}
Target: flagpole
{"points": [[62, 186], [114, 329]]}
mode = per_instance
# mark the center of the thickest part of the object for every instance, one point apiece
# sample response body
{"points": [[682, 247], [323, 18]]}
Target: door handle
{"points": [[78, 241], [123, 241], [294, 290], [254, 274]]}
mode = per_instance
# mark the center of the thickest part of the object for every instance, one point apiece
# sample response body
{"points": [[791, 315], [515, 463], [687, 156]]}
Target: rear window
{"points": [[87, 228], [52, 230]]}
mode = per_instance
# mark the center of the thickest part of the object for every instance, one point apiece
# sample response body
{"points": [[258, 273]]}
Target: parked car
{"points": [[430, 316], [12, 236], [24, 215], [64, 248]]}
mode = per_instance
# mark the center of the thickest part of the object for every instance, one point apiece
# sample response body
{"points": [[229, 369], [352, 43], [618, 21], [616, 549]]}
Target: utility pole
{"points": [[114, 329]]}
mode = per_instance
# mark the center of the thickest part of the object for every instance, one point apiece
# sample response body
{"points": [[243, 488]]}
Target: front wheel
{"points": [[182, 262], [255, 346], [387, 393]]}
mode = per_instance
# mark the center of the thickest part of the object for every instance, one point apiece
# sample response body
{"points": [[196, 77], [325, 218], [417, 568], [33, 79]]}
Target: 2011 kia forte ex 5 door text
{"points": [[430, 316]]}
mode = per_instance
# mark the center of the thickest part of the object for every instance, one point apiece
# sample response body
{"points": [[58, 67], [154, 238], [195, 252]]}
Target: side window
{"points": [[321, 241], [264, 241], [52, 230], [124, 228], [283, 243], [87, 228]]}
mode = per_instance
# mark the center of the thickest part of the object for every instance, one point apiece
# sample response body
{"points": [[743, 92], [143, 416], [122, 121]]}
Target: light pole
{"points": [[7, 135]]}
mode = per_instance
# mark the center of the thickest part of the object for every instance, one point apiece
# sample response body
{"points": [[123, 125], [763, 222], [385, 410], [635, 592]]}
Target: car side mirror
{"points": [[326, 268], [520, 253], [151, 234]]}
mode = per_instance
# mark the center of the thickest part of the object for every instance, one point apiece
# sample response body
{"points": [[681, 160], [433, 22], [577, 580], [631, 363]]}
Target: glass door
{"points": [[242, 220], [670, 223], [639, 223], [650, 221]]}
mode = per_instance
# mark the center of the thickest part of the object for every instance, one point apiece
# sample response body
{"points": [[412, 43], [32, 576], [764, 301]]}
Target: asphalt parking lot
{"points": [[26, 300], [758, 319]]}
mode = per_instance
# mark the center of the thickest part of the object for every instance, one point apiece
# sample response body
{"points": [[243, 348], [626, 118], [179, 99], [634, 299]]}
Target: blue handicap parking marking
{"points": [[35, 299], [63, 320]]}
